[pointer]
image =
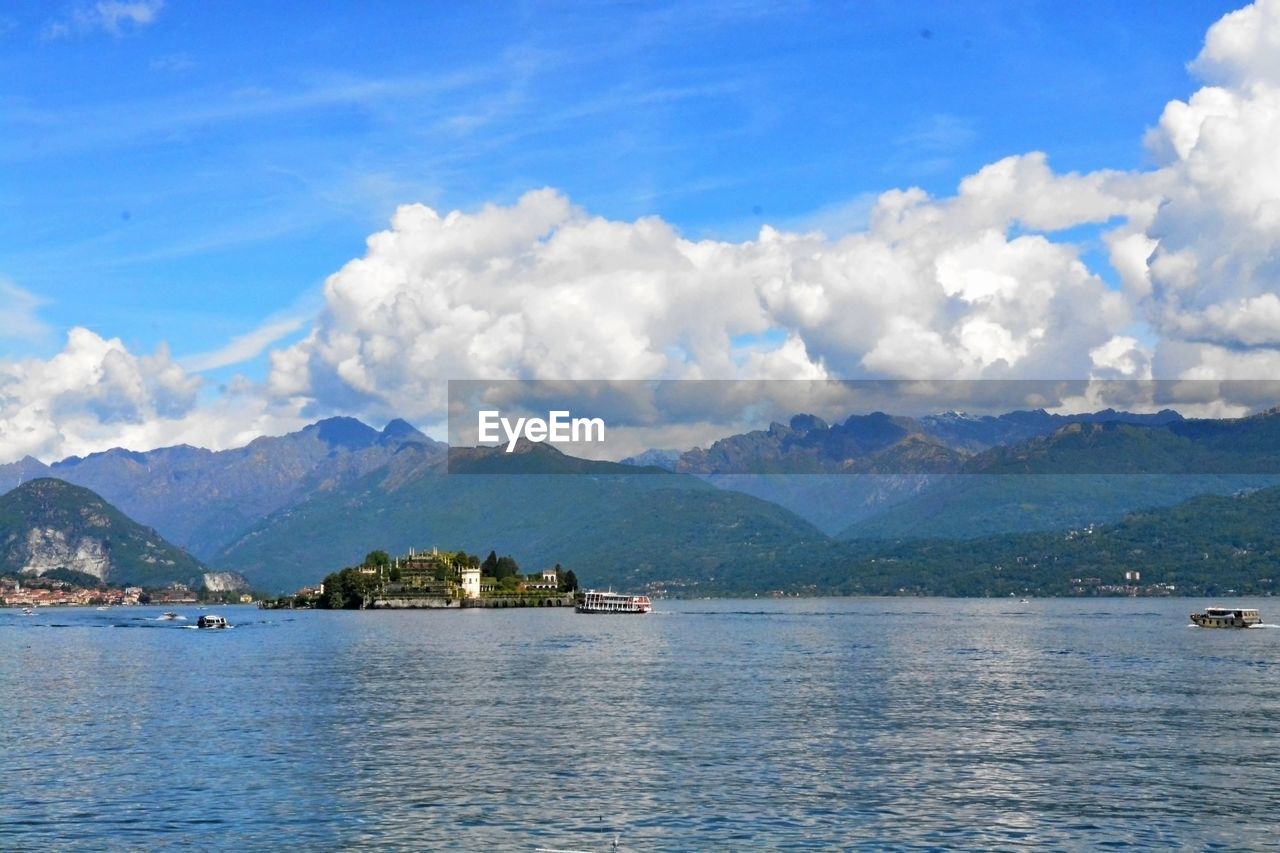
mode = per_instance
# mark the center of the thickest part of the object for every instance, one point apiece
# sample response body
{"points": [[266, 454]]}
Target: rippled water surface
{"points": [[706, 725]]}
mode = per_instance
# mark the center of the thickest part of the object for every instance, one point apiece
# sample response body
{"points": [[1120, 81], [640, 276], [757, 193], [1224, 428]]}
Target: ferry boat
{"points": [[613, 602], [211, 620], [1226, 617]]}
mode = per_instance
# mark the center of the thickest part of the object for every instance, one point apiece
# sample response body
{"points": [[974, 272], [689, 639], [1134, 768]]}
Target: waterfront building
{"points": [[471, 581]]}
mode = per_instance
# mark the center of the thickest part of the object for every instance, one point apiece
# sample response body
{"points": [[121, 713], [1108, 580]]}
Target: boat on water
{"points": [[613, 602], [169, 615], [211, 620], [27, 611], [1226, 617]]}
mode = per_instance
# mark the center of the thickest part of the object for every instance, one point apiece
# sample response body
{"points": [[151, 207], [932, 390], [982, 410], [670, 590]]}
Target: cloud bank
{"points": [[985, 283]]}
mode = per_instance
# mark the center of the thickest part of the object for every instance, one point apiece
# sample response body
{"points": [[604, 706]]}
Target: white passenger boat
{"points": [[211, 620], [613, 602], [1226, 617]]}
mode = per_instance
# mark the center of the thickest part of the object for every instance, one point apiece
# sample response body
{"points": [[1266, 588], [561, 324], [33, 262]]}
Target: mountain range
{"points": [[202, 499], [878, 475], [795, 506]]}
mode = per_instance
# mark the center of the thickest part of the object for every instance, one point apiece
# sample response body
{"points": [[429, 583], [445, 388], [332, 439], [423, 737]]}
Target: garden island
{"points": [[436, 579]]}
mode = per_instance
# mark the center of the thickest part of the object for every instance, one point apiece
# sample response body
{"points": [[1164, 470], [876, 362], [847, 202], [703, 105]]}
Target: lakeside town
{"points": [[38, 591]]}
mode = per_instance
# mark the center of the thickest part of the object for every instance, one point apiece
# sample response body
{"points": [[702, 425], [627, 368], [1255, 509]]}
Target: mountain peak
{"points": [[807, 423], [399, 429], [345, 432]]}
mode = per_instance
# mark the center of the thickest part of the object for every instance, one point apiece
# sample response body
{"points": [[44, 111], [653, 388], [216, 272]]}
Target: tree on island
{"points": [[349, 589], [490, 565], [568, 580], [506, 568], [377, 558]]}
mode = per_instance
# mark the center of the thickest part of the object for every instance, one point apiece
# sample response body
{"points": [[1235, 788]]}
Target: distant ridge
{"points": [[203, 499]]}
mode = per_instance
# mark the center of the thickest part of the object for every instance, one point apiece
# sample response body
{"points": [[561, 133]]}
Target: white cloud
{"points": [[244, 347], [114, 17], [541, 289], [95, 394], [19, 317], [1209, 286], [1122, 357], [975, 285]]}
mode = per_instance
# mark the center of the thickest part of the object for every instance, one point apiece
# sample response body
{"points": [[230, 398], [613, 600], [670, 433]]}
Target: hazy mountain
{"points": [[1229, 446], [48, 524], [14, 474], [838, 475], [203, 499], [656, 458], [886, 444], [610, 523], [1087, 473]]}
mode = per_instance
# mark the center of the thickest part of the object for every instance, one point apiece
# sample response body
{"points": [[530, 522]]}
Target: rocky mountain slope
{"points": [[48, 524]]}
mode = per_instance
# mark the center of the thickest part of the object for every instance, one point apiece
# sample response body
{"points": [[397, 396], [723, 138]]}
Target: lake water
{"points": [[707, 725]]}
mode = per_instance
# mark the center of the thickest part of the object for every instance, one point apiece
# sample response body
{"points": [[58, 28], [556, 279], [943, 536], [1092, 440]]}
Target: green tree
{"points": [[568, 580], [349, 589], [506, 568], [490, 564], [377, 558]]}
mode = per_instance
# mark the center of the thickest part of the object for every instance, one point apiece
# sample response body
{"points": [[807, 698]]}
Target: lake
{"points": [[804, 723]]}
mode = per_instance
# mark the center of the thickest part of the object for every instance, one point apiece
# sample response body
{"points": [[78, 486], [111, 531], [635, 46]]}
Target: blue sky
{"points": [[186, 179]]}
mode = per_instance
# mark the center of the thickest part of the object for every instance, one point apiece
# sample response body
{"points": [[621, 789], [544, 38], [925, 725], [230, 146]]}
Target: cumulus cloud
{"points": [[975, 285], [542, 289], [979, 284], [1208, 283], [95, 394]]}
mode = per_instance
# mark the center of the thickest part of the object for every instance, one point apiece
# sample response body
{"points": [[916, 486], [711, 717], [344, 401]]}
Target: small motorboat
{"points": [[169, 615], [211, 620], [27, 611]]}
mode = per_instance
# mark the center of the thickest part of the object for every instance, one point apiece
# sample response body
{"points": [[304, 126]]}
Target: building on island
{"points": [[438, 578], [470, 576]]}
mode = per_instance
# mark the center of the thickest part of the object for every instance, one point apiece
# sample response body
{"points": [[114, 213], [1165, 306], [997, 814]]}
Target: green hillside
{"points": [[53, 525], [610, 524], [968, 506], [1207, 545]]}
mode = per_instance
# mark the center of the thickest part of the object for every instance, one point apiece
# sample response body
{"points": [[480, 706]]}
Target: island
{"points": [[435, 579]]}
